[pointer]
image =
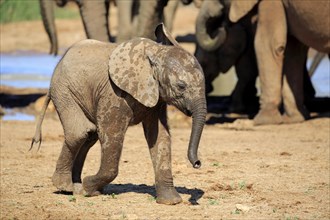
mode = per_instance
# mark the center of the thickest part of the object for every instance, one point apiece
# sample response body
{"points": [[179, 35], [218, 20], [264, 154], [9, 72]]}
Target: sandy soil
{"points": [[248, 172]]}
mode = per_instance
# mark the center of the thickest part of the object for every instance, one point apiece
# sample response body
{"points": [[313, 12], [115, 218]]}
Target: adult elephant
{"points": [[94, 15], [221, 45], [284, 32]]}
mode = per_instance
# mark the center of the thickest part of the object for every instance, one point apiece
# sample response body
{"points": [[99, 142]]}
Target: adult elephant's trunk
{"points": [[210, 10], [47, 14], [198, 115]]}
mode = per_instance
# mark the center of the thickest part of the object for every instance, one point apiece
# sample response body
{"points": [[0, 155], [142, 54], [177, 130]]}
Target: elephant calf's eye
{"points": [[182, 85]]}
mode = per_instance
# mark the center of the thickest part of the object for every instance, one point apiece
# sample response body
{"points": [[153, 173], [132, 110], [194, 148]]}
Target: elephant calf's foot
{"points": [[78, 189], [168, 196], [63, 181], [267, 116], [93, 185]]}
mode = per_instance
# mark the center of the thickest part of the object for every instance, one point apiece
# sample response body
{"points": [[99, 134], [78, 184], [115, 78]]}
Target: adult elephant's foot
{"points": [[63, 181], [295, 115], [268, 116], [290, 119], [168, 196]]}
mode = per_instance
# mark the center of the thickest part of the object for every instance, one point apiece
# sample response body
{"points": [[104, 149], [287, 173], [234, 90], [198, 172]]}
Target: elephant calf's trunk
{"points": [[199, 114]]}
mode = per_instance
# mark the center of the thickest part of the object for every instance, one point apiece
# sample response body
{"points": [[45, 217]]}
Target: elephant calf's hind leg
{"points": [[79, 163], [76, 132]]}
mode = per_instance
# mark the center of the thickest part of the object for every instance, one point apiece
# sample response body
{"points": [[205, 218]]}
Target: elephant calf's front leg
{"points": [[158, 138], [111, 135]]}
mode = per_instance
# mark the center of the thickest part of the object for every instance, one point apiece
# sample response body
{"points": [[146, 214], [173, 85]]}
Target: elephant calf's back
{"points": [[84, 62], [82, 73]]}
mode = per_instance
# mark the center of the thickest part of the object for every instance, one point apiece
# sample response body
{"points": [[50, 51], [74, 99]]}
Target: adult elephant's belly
{"points": [[309, 22]]}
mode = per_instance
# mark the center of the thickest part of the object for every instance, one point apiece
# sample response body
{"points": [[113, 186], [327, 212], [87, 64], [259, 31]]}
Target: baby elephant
{"points": [[99, 89]]}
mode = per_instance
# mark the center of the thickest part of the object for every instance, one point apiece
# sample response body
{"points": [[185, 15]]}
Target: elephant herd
{"points": [[269, 39], [258, 38], [136, 18]]}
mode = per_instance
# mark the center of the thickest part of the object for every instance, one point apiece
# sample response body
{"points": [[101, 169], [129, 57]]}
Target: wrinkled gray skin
{"points": [[94, 15], [284, 32], [221, 45], [98, 97]]}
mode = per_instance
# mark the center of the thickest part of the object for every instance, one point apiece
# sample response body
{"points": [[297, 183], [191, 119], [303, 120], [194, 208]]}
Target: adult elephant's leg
{"points": [[79, 162], [293, 85], [150, 14], [270, 42], [125, 26], [48, 18], [244, 95], [112, 125], [95, 19], [76, 128], [157, 134]]}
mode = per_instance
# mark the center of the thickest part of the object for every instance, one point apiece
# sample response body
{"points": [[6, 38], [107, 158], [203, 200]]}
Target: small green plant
{"points": [[216, 164], [90, 203], [113, 195], [72, 198], [236, 212], [309, 190], [58, 203], [123, 216], [213, 202], [242, 185], [152, 198]]}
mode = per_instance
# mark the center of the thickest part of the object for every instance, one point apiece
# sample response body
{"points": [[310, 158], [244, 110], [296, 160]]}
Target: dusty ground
{"points": [[267, 172]]}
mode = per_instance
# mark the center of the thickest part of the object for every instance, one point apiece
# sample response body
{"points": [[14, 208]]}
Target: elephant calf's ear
{"points": [[164, 37], [130, 70]]}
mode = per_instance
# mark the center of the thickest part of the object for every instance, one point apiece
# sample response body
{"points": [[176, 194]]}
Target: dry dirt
{"points": [[248, 172]]}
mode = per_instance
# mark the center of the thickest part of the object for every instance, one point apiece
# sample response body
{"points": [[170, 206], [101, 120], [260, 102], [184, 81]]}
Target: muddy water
{"points": [[26, 70]]}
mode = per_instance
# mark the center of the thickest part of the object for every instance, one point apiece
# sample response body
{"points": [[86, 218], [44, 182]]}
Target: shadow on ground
{"points": [[195, 194], [219, 113], [117, 189]]}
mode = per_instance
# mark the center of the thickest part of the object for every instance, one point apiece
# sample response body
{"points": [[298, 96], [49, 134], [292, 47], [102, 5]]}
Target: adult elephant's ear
{"points": [[239, 9], [131, 71], [164, 37]]}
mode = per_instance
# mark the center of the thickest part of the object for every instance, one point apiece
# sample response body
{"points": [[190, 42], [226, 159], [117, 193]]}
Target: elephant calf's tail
{"points": [[37, 136]]}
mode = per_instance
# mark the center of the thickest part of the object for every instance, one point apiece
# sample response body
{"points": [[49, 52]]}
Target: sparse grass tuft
{"points": [[213, 202], [242, 185], [72, 198]]}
